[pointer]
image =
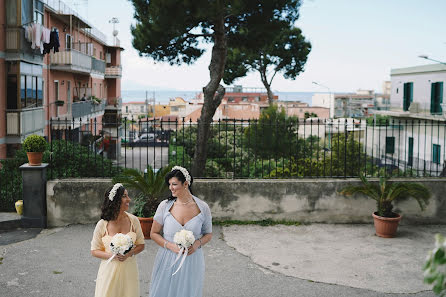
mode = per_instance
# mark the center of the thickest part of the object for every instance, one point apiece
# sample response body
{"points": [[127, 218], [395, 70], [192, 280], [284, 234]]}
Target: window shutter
{"points": [[432, 98]]}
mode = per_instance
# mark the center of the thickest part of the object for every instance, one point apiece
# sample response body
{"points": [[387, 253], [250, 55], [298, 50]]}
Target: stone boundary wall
{"points": [[78, 201]]}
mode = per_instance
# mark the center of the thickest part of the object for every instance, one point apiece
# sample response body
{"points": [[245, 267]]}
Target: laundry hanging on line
{"points": [[38, 35]]}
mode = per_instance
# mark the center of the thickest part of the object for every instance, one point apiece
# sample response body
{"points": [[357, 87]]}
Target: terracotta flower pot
{"points": [[34, 159], [146, 226], [386, 227]]}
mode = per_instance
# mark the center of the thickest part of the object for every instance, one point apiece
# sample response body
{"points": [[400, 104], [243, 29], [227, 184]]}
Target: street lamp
{"points": [[330, 123], [427, 58], [329, 94]]}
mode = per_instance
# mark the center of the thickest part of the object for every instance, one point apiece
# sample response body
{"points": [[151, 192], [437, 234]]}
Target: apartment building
{"points": [[415, 136], [54, 66], [135, 109]]}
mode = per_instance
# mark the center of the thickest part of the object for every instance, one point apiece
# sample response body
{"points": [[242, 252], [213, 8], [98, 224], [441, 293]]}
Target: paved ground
{"points": [[350, 255], [139, 157], [57, 262]]}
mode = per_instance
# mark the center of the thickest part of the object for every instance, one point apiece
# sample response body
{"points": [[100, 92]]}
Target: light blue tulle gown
{"points": [[188, 281]]}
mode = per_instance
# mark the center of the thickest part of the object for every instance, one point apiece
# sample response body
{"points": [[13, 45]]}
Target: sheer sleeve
{"points": [[138, 231], [159, 214], [207, 224], [99, 231]]}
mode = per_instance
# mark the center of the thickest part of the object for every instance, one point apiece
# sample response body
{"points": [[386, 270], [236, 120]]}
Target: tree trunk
{"points": [[211, 100], [270, 94], [267, 85]]}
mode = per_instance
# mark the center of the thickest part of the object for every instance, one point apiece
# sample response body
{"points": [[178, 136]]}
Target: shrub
{"points": [[34, 143]]}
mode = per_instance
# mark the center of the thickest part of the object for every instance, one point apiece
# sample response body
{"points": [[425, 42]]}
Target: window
{"points": [[23, 91], [231, 99], [436, 97], [39, 91], [142, 108], [38, 12], [67, 41], [94, 52], [436, 149], [410, 152], [11, 94], [126, 109], [244, 99], [407, 95], [390, 145], [56, 90]]}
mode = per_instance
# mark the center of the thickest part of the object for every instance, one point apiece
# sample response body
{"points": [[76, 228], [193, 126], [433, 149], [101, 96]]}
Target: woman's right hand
{"points": [[173, 247]]}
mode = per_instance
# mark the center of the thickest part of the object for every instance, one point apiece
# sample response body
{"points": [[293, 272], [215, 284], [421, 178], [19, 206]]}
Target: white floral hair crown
{"points": [[112, 193], [184, 172]]}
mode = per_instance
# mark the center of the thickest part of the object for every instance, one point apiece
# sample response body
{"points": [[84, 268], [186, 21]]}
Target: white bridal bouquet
{"points": [[120, 244], [184, 239]]}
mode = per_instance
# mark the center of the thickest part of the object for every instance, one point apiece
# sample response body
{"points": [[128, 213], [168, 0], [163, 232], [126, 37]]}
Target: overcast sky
{"points": [[355, 45]]}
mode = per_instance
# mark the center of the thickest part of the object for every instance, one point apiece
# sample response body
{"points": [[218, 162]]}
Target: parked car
{"points": [[146, 136]]}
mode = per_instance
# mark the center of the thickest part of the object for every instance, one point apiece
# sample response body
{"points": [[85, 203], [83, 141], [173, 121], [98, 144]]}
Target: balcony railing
{"points": [[72, 61], [86, 108], [115, 102], [13, 39], [98, 65], [416, 110], [113, 72], [23, 122]]}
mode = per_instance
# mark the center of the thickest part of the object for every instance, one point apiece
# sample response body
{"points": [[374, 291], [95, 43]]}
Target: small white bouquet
{"points": [[184, 239], [120, 244]]}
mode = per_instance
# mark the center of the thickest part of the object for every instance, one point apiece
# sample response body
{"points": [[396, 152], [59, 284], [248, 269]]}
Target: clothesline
{"points": [[42, 37]]}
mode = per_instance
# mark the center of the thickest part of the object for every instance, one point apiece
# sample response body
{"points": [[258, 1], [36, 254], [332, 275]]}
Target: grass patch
{"points": [[266, 222], [57, 272]]}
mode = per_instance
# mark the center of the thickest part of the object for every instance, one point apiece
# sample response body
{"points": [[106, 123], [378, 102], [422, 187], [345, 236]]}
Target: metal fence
{"points": [[287, 148], [284, 148]]}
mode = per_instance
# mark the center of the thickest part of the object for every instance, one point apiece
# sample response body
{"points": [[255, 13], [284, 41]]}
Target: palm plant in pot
{"points": [[385, 193], [150, 187], [34, 145]]}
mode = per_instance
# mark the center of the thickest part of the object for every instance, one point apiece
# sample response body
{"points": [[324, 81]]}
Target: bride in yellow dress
{"points": [[118, 278]]}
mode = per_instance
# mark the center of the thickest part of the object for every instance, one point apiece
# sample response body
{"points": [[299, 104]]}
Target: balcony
{"points": [[114, 103], [24, 122], [87, 109], [71, 61], [13, 39], [113, 72], [417, 110], [97, 66]]}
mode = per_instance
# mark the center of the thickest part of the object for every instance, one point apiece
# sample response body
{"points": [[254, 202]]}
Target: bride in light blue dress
{"points": [[181, 211]]}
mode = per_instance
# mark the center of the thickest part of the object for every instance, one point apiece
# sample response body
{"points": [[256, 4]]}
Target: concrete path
{"points": [[349, 255], [57, 262]]}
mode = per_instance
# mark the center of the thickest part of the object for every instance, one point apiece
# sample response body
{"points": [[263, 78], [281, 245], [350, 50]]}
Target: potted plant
{"points": [[435, 266], [150, 187], [34, 145], [59, 102], [385, 193]]}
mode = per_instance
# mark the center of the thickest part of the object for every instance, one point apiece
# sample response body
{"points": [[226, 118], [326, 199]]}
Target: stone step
{"points": [[10, 221]]}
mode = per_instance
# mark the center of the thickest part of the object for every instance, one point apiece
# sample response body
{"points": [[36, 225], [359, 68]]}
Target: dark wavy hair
{"points": [[110, 209], [180, 176]]}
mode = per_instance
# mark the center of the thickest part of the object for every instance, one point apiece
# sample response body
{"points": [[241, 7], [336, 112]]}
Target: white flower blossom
{"points": [[112, 193], [121, 244], [184, 172], [184, 238]]}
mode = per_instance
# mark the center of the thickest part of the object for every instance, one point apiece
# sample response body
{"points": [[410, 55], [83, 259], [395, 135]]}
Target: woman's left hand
{"points": [[122, 258], [193, 247]]}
